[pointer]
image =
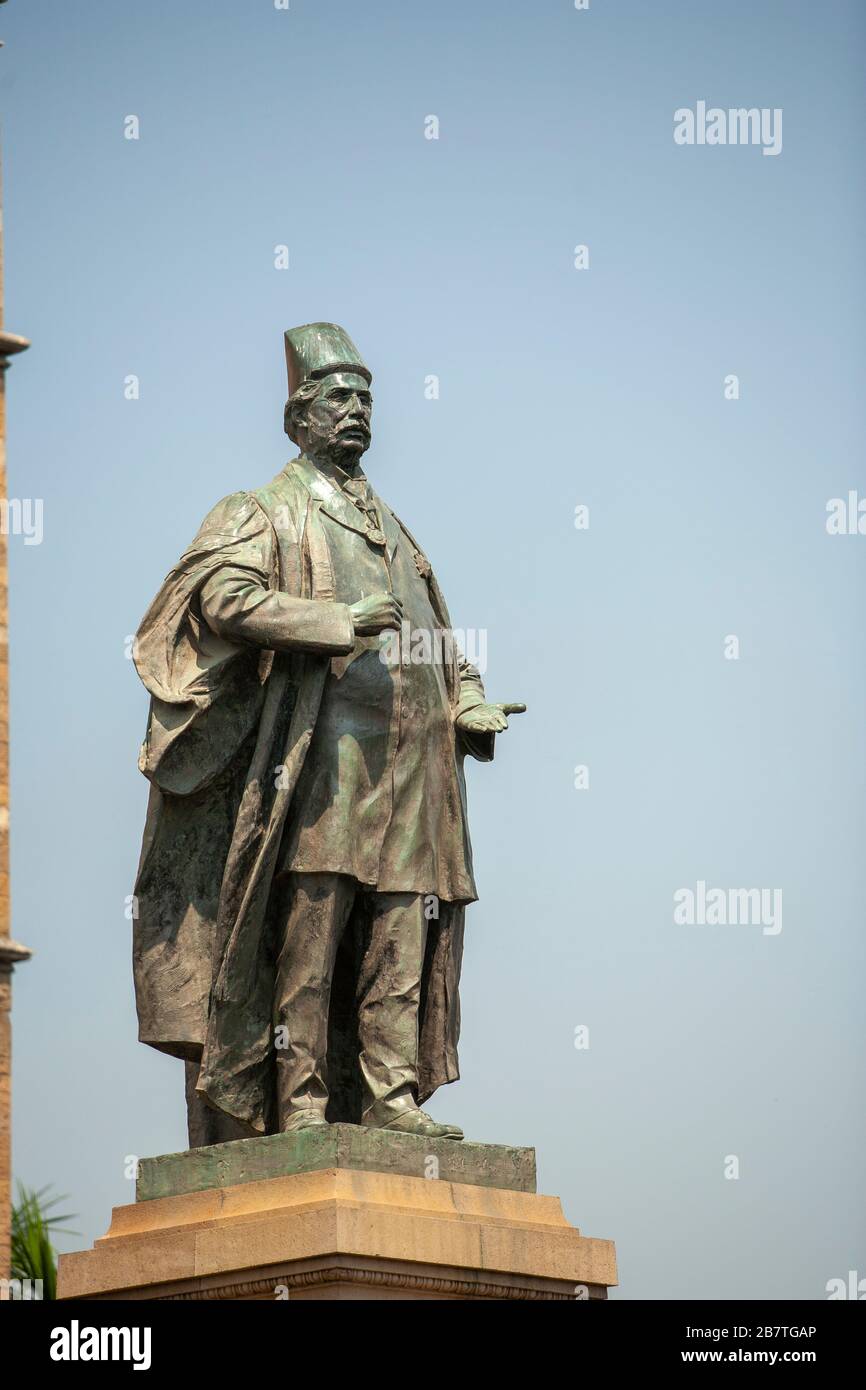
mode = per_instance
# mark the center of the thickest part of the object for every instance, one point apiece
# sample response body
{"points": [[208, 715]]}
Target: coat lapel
{"points": [[331, 499], [389, 526]]}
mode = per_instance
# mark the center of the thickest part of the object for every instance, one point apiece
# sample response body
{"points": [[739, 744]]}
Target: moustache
{"points": [[356, 426]]}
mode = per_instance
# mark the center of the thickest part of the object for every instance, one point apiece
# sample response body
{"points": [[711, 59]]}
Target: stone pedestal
{"points": [[342, 1213]]}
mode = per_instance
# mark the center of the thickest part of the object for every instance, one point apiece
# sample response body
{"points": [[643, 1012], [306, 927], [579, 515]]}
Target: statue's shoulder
{"points": [[236, 525], [233, 515], [256, 510], [283, 500]]}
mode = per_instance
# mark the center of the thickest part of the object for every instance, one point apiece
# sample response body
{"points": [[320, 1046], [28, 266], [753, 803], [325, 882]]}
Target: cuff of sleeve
{"points": [[470, 696], [344, 629], [478, 745]]}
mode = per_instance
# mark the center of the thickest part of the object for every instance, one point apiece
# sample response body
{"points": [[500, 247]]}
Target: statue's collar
{"points": [[337, 503], [323, 483]]}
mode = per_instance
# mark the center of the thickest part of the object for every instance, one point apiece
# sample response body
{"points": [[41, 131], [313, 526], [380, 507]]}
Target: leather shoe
{"points": [[305, 1119], [420, 1123]]}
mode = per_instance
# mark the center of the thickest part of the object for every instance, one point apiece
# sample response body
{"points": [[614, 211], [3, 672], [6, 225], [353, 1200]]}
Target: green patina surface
{"points": [[338, 1146]]}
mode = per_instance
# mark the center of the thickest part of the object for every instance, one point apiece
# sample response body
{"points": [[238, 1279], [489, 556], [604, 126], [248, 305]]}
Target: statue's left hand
{"points": [[487, 719]]}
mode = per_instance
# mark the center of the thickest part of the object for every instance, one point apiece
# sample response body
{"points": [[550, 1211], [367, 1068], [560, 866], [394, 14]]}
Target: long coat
{"points": [[222, 719]]}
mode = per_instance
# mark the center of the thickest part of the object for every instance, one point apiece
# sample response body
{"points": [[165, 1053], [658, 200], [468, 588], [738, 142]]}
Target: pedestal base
{"points": [[342, 1233]]}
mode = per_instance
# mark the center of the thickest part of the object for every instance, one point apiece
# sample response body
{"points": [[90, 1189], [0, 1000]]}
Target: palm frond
{"points": [[33, 1255]]}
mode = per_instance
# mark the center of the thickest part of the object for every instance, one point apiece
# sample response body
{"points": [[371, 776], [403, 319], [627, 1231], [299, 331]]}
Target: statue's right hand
{"points": [[374, 614]]}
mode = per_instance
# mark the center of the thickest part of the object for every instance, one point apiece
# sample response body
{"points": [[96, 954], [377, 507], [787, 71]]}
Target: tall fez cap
{"points": [[317, 349]]}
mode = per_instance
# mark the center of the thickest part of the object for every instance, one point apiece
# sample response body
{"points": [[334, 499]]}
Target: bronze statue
{"points": [[306, 859]]}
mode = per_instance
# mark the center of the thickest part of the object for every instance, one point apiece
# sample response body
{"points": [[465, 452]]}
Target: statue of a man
{"points": [[306, 859]]}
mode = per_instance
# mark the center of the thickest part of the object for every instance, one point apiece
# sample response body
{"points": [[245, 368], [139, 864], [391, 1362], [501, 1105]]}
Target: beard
{"points": [[344, 444]]}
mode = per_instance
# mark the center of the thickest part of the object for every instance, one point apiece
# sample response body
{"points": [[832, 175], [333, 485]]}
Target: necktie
{"points": [[358, 490]]}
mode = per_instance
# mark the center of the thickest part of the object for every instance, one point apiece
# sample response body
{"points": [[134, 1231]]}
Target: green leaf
{"points": [[33, 1255]]}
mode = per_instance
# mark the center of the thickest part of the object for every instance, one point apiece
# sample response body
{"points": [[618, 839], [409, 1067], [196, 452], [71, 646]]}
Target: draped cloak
{"points": [[223, 718]]}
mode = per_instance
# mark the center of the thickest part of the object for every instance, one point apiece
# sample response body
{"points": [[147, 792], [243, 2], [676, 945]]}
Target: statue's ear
{"points": [[295, 419]]}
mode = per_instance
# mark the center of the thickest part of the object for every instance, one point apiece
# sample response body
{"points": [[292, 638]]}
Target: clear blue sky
{"points": [[604, 386]]}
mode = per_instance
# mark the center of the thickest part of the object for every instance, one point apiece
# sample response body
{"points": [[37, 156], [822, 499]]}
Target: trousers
{"points": [[388, 993], [312, 914]]}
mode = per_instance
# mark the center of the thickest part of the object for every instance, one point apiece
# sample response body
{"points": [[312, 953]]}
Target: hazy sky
{"points": [[605, 386]]}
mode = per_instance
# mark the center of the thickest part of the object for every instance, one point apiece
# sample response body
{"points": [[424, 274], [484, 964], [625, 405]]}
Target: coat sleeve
{"points": [[477, 745], [239, 607], [177, 656], [206, 692]]}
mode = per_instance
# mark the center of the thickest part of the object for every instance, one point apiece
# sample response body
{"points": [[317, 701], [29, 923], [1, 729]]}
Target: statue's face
{"points": [[338, 419]]}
